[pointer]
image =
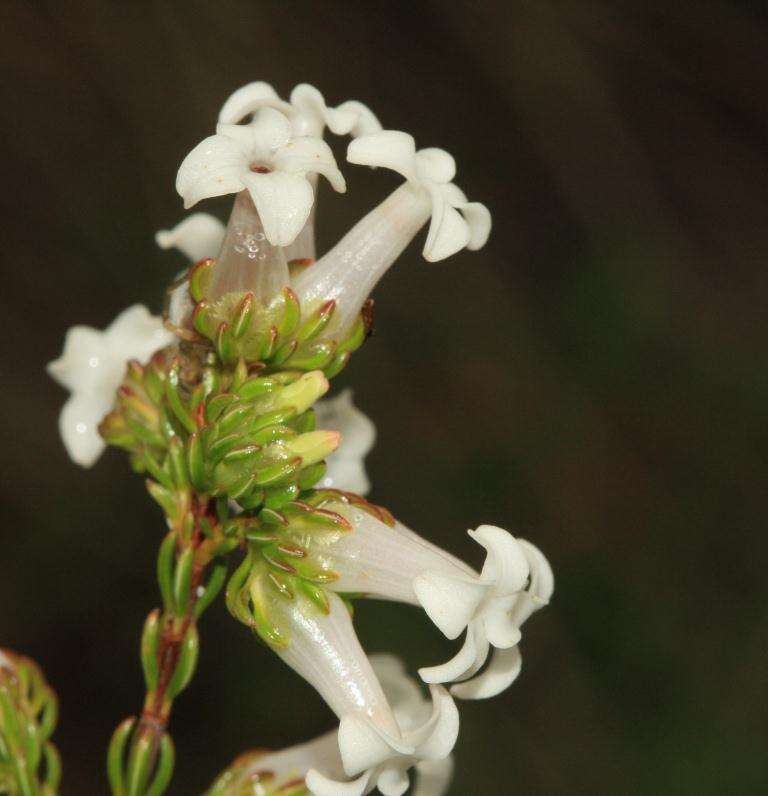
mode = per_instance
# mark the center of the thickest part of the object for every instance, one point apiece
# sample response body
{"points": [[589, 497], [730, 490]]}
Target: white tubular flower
{"points": [[261, 773], [351, 269], [265, 159], [429, 170], [375, 751], [346, 465], [307, 110], [197, 236], [92, 367], [289, 767], [324, 650], [381, 760], [397, 564], [309, 115]]}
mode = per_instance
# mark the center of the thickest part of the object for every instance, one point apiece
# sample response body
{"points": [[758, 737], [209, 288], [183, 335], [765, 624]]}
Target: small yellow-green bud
{"points": [[303, 392], [314, 446]]}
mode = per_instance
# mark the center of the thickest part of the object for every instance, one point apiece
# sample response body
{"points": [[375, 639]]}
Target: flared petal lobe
{"points": [[215, 167], [79, 426], [283, 202]]}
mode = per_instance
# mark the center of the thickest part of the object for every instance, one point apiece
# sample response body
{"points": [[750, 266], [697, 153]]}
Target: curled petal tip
{"points": [[246, 100], [503, 670], [479, 220], [392, 149]]}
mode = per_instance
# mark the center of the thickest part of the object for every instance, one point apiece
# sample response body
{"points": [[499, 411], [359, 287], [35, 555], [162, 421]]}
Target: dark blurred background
{"points": [[594, 378]]}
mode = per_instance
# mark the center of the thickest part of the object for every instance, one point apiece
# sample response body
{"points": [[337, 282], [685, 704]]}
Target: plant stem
{"points": [[169, 651]]}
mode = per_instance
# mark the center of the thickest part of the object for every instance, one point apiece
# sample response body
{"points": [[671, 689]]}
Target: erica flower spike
{"points": [[218, 406]]}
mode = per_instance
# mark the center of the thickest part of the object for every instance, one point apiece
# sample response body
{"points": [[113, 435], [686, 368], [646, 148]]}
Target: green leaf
{"points": [[256, 386], [314, 356], [272, 517], [217, 405], [273, 474], [165, 569], [203, 320], [239, 374], [197, 397], [307, 421], [337, 364], [182, 580], [212, 588], [156, 471], [225, 345], [200, 278], [187, 661], [241, 317], [275, 417], [218, 449], [311, 475], [355, 338], [115, 756], [164, 769], [279, 496], [196, 462], [166, 498], [49, 716], [153, 382], [283, 353], [172, 387], [269, 344], [139, 764], [316, 322], [178, 464], [234, 417], [313, 572], [291, 313], [239, 486], [234, 593], [149, 648], [317, 595], [252, 500], [242, 456], [143, 433], [52, 768]]}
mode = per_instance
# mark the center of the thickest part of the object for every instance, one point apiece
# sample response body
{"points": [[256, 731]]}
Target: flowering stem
{"points": [[169, 649]]}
